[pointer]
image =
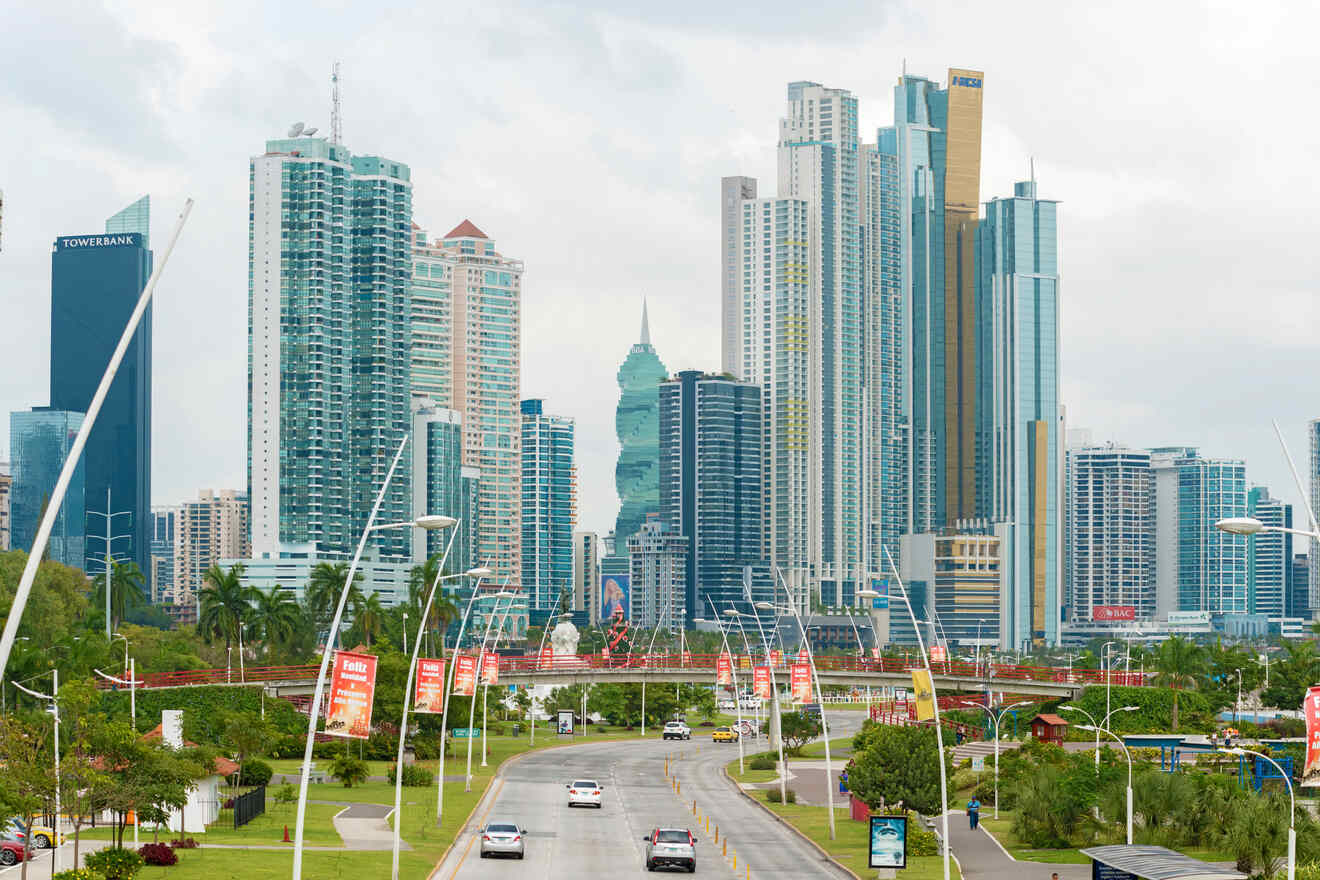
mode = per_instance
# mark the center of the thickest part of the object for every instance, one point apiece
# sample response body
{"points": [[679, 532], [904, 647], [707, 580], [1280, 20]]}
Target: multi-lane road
{"points": [[572, 843]]}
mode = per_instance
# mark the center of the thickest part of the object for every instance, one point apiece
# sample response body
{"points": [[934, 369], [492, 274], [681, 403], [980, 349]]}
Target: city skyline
{"points": [[206, 430]]}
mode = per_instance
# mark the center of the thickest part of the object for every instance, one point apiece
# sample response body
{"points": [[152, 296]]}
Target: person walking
{"points": [[973, 813]]}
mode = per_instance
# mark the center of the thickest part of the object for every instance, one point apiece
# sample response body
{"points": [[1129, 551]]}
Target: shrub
{"points": [[78, 874], [349, 770], [772, 795], [115, 864], [255, 772], [412, 775], [185, 843], [762, 762], [965, 779], [157, 854], [920, 842]]}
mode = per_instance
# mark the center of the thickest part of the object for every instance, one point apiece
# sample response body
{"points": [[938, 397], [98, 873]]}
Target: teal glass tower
{"points": [[39, 442], [637, 422], [1018, 416], [1211, 564], [330, 258], [549, 488], [1269, 555]]}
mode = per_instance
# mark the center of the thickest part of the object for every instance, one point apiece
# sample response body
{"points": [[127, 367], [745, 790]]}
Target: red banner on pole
{"points": [[351, 691], [687, 658], [430, 697], [938, 653], [724, 669], [801, 682], [465, 675], [1311, 709], [547, 657], [804, 657], [490, 669], [761, 682], [776, 657]]}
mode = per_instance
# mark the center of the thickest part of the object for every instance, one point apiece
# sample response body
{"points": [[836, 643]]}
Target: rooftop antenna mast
{"points": [[336, 121]]}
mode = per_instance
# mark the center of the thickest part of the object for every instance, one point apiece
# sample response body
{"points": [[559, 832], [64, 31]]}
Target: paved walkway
{"points": [[363, 827], [982, 858]]}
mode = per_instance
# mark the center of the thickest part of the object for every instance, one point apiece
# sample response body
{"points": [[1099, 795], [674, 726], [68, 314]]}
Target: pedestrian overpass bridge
{"points": [[851, 672]]}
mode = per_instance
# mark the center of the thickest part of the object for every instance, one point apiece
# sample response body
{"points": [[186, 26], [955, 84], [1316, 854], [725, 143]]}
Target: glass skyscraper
{"points": [[549, 506], [437, 475], [95, 282], [637, 423], [1212, 564], [711, 485], [330, 247], [39, 442], [1110, 531], [1018, 417], [1269, 555]]}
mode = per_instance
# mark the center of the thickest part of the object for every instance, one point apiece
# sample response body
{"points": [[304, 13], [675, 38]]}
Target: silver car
{"points": [[502, 839], [671, 848]]}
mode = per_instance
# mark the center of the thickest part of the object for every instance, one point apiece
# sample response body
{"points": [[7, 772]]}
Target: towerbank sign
{"points": [[126, 239]]}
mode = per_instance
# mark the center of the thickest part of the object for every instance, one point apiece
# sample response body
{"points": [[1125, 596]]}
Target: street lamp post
{"points": [[774, 692], [1096, 726], [998, 720], [485, 687], [54, 698], [1237, 705], [405, 632], [747, 646], [531, 718], [313, 715], [481, 656], [733, 672], [1292, 805], [1109, 675], [1127, 755], [664, 614]]}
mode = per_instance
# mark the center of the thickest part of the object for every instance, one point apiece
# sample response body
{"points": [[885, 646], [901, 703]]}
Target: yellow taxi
{"points": [[42, 837], [724, 735]]}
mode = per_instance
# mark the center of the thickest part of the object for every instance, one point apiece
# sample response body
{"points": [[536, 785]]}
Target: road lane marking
{"points": [[481, 824]]}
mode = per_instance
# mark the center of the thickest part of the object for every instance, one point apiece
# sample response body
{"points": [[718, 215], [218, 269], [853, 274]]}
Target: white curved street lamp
{"points": [[1127, 755], [774, 692], [54, 698], [1249, 525], [480, 574], [998, 720], [1292, 809], [1096, 725]]}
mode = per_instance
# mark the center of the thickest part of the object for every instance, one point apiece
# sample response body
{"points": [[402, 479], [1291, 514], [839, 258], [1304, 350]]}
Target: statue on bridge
{"points": [[564, 639]]}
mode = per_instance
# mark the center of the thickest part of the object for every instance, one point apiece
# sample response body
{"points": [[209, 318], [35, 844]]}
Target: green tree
{"points": [[325, 584], [798, 729], [274, 619], [80, 773], [246, 734], [349, 770], [126, 591], [1179, 664], [368, 617], [225, 604], [27, 786], [1292, 674], [892, 764]]}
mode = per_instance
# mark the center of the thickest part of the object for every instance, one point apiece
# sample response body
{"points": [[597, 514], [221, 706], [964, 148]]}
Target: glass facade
{"points": [[161, 576], [711, 485], [637, 423], [39, 442], [1269, 555], [438, 484], [549, 492], [1212, 564], [95, 282], [1109, 531]]}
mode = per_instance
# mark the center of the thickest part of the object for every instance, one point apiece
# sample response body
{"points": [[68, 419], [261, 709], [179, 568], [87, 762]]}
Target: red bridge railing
{"points": [[982, 673]]}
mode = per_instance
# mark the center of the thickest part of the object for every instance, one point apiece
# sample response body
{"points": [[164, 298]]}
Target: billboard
{"points": [[724, 669], [888, 842], [761, 682], [800, 679], [925, 694], [1311, 710], [1188, 618], [938, 652], [565, 722], [351, 691], [881, 586], [490, 668], [615, 596], [430, 696], [465, 675], [1114, 612]]}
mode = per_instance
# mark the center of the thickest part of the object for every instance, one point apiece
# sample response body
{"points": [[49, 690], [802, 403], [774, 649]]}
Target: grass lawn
{"points": [[751, 775], [849, 847], [817, 749]]}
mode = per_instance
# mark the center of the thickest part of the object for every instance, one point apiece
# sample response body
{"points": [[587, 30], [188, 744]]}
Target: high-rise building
{"points": [[39, 442], [1018, 414], [1313, 438], [549, 506], [330, 249], [658, 576], [437, 474], [637, 424], [733, 192], [1269, 555], [586, 574], [466, 310], [937, 134], [711, 485], [1110, 533], [1212, 564], [1164, 466], [1299, 592], [774, 254], [95, 282], [161, 576], [212, 528], [6, 481], [819, 164]]}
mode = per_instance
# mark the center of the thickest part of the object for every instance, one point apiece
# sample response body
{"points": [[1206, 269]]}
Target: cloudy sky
{"points": [[588, 139]]}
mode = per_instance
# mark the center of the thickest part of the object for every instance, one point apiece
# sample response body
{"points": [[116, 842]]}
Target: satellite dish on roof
{"points": [[296, 130], [309, 132]]}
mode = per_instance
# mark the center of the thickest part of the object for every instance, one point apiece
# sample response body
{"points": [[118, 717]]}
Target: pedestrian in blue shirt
{"points": [[973, 813]]}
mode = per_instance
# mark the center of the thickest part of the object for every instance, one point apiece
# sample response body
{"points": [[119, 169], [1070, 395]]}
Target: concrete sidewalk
{"points": [[982, 858]]}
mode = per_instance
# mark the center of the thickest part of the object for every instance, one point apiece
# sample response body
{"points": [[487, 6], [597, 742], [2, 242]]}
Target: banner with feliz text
{"points": [[352, 688]]}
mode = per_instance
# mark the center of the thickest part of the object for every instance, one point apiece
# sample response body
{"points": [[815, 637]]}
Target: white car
{"points": [[502, 839], [584, 792], [677, 730]]}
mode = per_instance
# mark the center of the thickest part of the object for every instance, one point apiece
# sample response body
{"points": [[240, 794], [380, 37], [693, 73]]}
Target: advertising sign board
{"points": [[351, 691], [761, 682], [724, 669], [430, 696], [465, 675], [888, 842], [800, 679], [1311, 709], [565, 722], [490, 668], [1114, 612]]}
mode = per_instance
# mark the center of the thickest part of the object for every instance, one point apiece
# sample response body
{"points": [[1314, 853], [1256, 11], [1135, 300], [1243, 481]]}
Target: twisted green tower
{"points": [[637, 422]]}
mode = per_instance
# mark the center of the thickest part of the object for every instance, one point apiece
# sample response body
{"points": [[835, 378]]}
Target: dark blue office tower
{"points": [[95, 281]]}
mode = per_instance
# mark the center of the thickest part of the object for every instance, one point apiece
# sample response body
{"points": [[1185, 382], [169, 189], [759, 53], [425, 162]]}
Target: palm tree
{"points": [[324, 586], [1179, 663], [225, 602], [126, 593], [274, 618], [368, 616], [443, 609]]}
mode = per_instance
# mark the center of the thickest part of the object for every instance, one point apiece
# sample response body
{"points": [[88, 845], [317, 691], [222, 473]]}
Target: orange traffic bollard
{"points": [[725, 850], [717, 833]]}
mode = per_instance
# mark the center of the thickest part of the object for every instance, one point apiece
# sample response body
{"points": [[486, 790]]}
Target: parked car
{"points": [[42, 837], [677, 730], [502, 839], [585, 792], [671, 847], [11, 852], [724, 735]]}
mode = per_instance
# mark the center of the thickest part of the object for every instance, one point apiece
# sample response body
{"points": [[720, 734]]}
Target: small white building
{"points": [[205, 797]]}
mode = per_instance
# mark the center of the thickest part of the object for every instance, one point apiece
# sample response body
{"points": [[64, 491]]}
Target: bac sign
{"points": [[971, 82], [1114, 612]]}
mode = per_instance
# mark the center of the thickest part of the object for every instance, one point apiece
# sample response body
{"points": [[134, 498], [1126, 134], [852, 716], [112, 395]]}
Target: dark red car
{"points": [[11, 852]]}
